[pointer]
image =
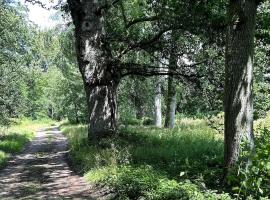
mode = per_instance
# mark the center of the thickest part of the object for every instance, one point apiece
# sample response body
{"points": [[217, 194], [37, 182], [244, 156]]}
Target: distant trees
{"points": [[37, 78], [14, 43]]}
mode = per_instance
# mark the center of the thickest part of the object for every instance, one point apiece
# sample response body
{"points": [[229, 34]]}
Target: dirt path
{"points": [[41, 172]]}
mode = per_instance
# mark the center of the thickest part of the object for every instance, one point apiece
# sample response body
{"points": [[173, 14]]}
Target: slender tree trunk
{"points": [[51, 111], [76, 113], [138, 102], [139, 111], [171, 97], [171, 104], [94, 59], [158, 96], [238, 79]]}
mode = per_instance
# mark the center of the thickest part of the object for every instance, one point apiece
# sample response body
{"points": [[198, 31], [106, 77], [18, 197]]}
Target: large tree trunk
{"points": [[94, 59], [238, 79], [158, 110], [102, 110], [171, 96]]}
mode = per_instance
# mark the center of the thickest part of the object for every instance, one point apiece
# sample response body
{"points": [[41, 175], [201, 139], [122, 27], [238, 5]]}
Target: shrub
{"points": [[217, 122], [129, 121], [254, 180], [151, 163], [143, 182], [146, 121]]}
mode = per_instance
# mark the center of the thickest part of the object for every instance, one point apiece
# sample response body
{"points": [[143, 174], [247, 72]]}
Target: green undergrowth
{"points": [[253, 182], [14, 138], [151, 163]]}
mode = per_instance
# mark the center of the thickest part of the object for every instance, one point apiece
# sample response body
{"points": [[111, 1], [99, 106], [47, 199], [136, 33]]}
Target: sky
{"points": [[40, 16]]}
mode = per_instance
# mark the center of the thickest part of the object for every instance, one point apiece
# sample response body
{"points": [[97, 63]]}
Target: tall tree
{"points": [[238, 79], [158, 105], [14, 42], [108, 33], [94, 59], [171, 96]]}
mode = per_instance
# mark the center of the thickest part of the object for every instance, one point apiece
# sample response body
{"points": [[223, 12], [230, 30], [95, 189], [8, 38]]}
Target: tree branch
{"points": [[139, 20], [43, 5], [148, 70], [146, 42], [107, 6]]}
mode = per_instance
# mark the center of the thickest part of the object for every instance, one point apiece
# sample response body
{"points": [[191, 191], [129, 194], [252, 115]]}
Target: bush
{"points": [[253, 181], [130, 121], [216, 122], [144, 182], [146, 121]]}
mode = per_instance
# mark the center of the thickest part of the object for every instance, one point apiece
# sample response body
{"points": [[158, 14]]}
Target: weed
{"points": [[14, 138], [153, 163]]}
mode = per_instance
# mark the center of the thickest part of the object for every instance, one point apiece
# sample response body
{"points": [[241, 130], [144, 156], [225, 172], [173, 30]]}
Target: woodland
{"points": [[158, 99]]}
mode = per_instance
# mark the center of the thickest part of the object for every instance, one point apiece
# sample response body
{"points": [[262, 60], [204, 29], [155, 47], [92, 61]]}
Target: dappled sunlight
{"points": [[41, 171], [196, 151]]}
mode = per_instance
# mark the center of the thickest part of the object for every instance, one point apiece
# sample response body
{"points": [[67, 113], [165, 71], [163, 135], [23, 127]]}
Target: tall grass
{"points": [[14, 138], [150, 162]]}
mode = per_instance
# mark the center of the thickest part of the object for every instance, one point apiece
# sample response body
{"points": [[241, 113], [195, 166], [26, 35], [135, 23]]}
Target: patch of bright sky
{"points": [[40, 16]]}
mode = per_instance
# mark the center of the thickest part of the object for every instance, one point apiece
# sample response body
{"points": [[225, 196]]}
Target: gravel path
{"points": [[41, 172]]}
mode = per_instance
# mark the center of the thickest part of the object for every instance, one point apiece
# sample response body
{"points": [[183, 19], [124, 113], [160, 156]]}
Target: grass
{"points": [[183, 163], [14, 138], [263, 122]]}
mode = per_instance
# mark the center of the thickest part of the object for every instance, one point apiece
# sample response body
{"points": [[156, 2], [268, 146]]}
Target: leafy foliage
{"points": [[13, 44], [38, 79], [253, 181]]}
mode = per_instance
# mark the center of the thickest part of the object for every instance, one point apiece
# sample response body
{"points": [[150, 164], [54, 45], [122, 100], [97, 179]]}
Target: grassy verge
{"points": [[14, 138], [183, 163]]}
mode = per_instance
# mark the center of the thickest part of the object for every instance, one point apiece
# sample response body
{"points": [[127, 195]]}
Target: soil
{"points": [[41, 171]]}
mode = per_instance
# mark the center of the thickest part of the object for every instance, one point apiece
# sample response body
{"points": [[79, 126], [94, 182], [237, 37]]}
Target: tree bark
{"points": [[238, 79], [171, 104], [102, 110], [138, 101], [158, 110], [139, 110], [95, 64], [171, 96]]}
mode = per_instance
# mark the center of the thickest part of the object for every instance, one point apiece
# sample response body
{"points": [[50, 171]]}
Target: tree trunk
{"points": [[139, 111], [138, 101], [171, 104], [102, 110], [158, 111], [94, 59], [171, 98], [238, 79]]}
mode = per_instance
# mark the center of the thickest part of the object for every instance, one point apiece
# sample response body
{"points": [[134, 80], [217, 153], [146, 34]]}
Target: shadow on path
{"points": [[41, 172]]}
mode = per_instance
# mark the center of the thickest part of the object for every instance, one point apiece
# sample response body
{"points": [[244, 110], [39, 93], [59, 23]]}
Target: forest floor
{"points": [[41, 171]]}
